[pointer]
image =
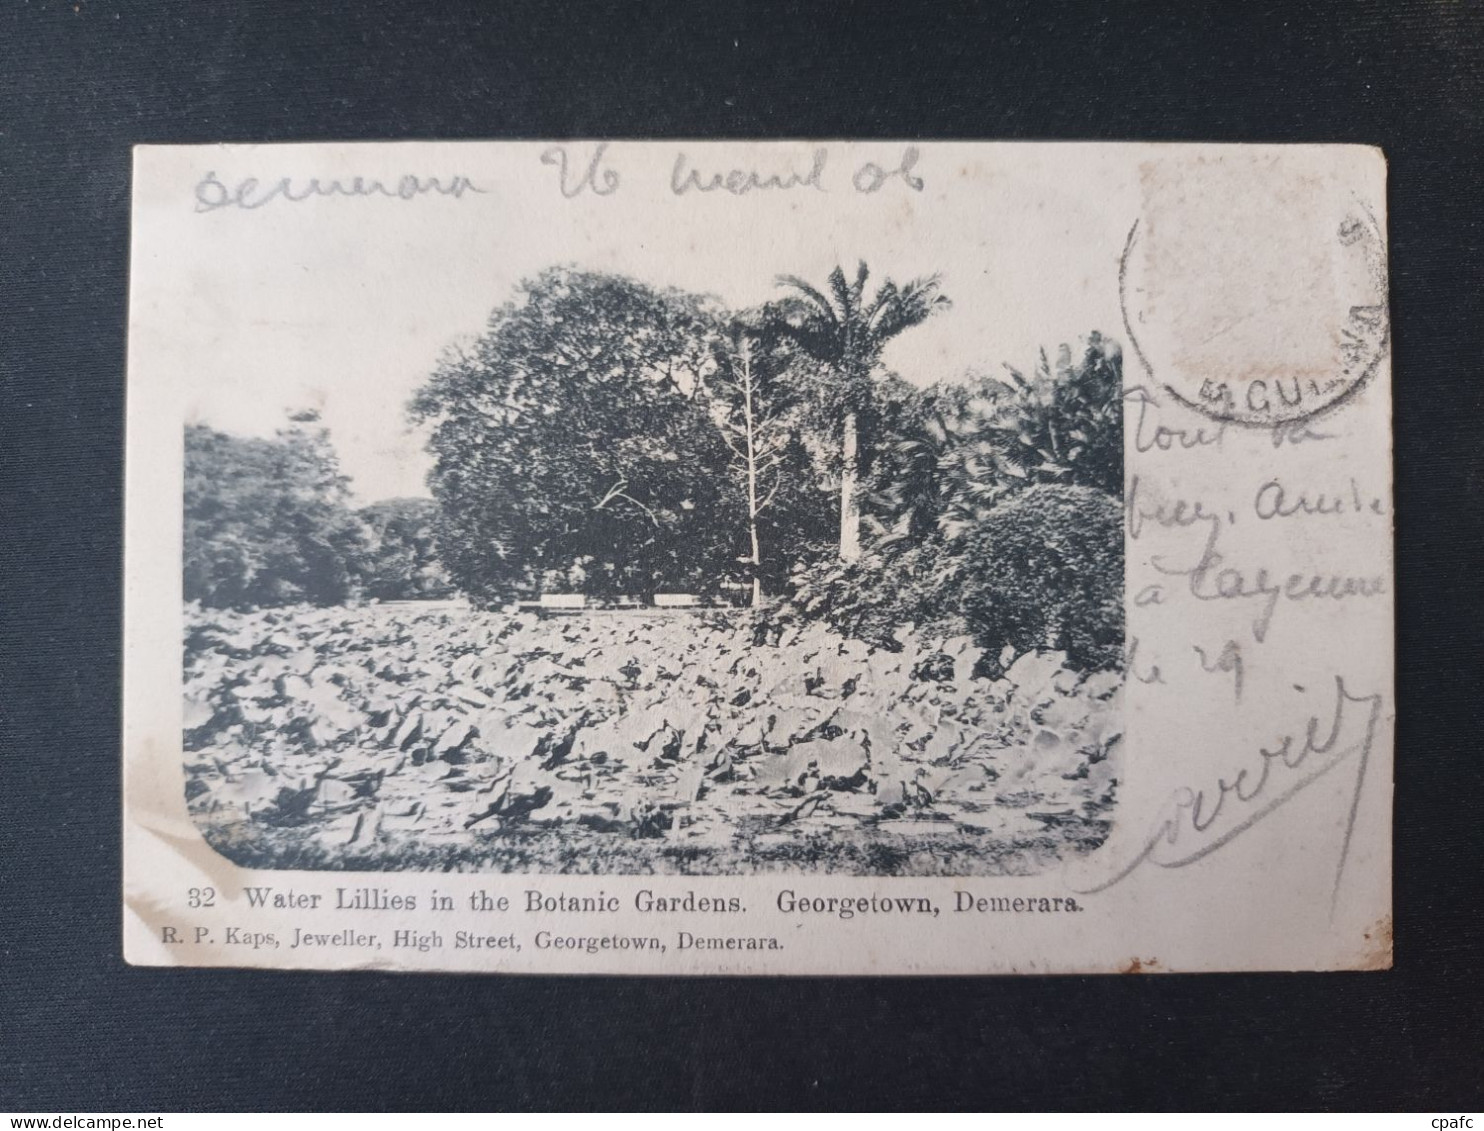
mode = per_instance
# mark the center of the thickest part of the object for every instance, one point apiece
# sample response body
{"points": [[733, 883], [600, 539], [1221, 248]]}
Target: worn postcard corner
{"points": [[772, 558]]}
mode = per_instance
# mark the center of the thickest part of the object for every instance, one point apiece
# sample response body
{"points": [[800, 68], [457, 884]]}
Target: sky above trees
{"points": [[346, 306]]}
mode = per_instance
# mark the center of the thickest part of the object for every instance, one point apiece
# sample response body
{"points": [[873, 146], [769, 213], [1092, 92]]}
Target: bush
{"points": [[1042, 570], [1045, 570], [267, 521], [870, 599]]}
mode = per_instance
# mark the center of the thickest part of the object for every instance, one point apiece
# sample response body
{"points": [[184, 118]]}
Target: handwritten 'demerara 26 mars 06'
{"points": [[771, 558]]}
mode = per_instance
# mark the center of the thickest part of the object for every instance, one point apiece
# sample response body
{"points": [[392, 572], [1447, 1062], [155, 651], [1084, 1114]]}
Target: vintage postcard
{"points": [[764, 558]]}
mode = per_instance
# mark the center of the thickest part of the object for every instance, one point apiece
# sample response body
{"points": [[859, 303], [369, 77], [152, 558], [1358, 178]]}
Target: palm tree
{"points": [[847, 333]]}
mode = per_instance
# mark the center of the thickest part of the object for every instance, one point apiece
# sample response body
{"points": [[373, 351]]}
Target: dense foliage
{"points": [[576, 450], [993, 510], [267, 521], [878, 595], [404, 565], [398, 737], [1046, 572], [613, 439]]}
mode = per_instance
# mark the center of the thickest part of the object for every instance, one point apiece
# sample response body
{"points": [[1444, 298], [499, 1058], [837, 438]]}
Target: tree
{"points": [[848, 334], [995, 506], [751, 404], [573, 447], [976, 443], [404, 563], [267, 521], [1064, 424], [903, 488], [1048, 573]]}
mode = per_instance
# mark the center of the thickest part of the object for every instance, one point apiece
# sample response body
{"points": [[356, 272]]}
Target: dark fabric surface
{"points": [[80, 82]]}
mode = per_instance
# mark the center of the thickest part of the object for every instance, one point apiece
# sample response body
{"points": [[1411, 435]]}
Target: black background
{"points": [[80, 82]]}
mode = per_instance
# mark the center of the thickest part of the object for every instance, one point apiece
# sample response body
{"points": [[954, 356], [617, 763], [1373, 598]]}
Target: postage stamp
{"points": [[776, 557], [1254, 287]]}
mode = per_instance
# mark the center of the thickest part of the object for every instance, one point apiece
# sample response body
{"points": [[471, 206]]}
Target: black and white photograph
{"points": [[707, 582]]}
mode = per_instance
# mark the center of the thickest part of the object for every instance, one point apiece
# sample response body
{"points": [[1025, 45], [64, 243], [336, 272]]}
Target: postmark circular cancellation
{"points": [[1253, 291]]}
